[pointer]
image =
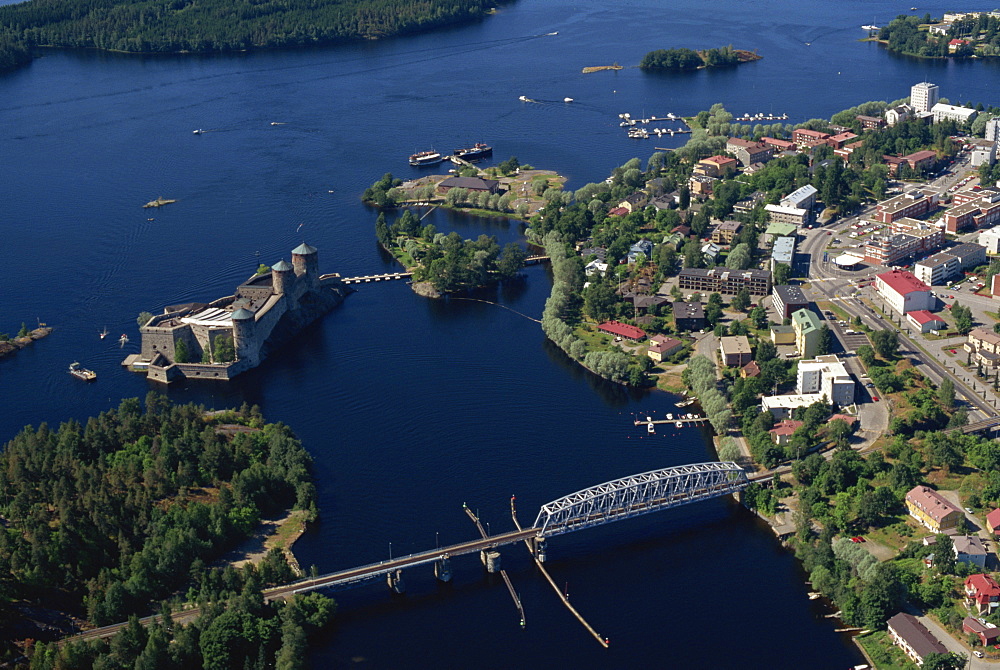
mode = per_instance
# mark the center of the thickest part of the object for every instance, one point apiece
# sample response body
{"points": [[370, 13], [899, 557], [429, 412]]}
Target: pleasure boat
{"points": [[82, 373], [426, 158]]}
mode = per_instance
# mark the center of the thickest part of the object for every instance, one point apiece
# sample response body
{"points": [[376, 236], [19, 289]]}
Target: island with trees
{"points": [[688, 59], [119, 518], [182, 26]]}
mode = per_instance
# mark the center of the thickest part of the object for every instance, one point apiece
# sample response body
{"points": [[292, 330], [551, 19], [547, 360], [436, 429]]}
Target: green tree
{"points": [[825, 340], [143, 318], [782, 273], [181, 353], [946, 393], [511, 260], [867, 355], [23, 332], [225, 351], [963, 318], [741, 300], [946, 661], [886, 343]]}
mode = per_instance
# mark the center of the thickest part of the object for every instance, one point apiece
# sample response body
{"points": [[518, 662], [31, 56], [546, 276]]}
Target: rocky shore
{"points": [[8, 347]]}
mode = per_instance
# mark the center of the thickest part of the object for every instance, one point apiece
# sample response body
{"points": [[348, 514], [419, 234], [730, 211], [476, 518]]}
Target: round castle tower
{"points": [[306, 263], [245, 336], [282, 277]]}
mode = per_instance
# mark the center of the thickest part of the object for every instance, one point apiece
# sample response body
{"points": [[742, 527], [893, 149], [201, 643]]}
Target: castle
{"points": [[234, 334]]}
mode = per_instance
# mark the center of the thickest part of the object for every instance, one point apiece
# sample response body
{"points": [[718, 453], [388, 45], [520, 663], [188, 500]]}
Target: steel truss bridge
{"points": [[611, 501]]}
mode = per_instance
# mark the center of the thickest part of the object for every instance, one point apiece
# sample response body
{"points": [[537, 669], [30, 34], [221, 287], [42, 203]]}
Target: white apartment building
{"points": [[990, 239], [923, 96], [827, 376], [993, 129], [943, 112]]}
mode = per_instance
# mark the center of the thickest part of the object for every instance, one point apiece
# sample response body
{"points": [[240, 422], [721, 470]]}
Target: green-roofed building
{"points": [[776, 230], [807, 326]]}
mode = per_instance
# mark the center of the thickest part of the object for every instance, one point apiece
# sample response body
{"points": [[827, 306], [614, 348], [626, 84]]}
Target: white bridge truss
{"points": [[639, 494]]}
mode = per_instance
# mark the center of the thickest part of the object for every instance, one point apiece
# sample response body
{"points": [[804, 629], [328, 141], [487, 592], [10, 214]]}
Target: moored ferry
{"points": [[478, 150], [426, 158]]}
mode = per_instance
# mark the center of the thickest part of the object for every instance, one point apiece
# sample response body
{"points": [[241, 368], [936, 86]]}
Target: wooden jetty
{"points": [[372, 278], [697, 421]]}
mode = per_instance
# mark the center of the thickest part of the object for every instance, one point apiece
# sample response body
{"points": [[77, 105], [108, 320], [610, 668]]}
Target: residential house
{"points": [[710, 252], [840, 139], [689, 316], [913, 638], [662, 347], [807, 332], [970, 549], [898, 114], [932, 510], [735, 350], [870, 122], [982, 593], [750, 370], [701, 186], [987, 636], [783, 431], [993, 521], [634, 202], [595, 267], [984, 345], [644, 247]]}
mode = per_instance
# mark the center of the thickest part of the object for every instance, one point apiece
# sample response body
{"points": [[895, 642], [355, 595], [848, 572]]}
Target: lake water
{"points": [[412, 407]]}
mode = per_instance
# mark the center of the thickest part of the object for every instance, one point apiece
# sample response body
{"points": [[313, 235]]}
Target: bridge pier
{"points": [[491, 560], [442, 570], [395, 581]]}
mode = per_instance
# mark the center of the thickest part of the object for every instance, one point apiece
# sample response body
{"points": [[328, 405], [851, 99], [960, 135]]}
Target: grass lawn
{"points": [[893, 534], [883, 653]]}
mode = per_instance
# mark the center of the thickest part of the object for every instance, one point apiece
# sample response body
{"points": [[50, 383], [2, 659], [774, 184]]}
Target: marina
{"points": [[762, 117], [680, 421]]}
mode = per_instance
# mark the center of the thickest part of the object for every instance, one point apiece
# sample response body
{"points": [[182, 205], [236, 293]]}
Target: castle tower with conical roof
{"points": [[282, 277], [305, 260]]}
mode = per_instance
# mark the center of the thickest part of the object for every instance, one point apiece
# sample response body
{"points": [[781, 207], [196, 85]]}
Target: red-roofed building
{"points": [[985, 634], [993, 519], [903, 291], [661, 347], [840, 139], [618, 211], [914, 203], [954, 45], [982, 593], [806, 139], [783, 431], [846, 418], [925, 321], [619, 329], [716, 166], [932, 510], [779, 145], [751, 369]]}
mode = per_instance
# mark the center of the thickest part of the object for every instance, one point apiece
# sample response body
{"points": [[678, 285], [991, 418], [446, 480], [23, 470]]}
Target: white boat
{"points": [[567, 99], [82, 373], [524, 98], [199, 131], [551, 34], [123, 340], [104, 333], [670, 417], [870, 27], [679, 424], [684, 403], [650, 428]]}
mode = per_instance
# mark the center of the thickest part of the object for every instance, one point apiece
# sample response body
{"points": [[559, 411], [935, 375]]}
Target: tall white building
{"points": [[993, 129], [923, 96], [826, 375]]}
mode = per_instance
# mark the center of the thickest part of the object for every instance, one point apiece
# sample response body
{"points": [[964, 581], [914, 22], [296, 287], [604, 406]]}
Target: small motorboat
{"points": [[81, 372], [679, 424], [567, 99], [104, 333], [199, 131], [123, 340], [650, 428], [670, 417]]}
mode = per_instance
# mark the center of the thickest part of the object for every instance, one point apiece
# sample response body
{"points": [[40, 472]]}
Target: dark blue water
{"points": [[411, 407]]}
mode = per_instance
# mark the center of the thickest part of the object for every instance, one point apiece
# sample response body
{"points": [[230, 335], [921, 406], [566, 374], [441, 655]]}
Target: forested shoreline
{"points": [[184, 26], [104, 520]]}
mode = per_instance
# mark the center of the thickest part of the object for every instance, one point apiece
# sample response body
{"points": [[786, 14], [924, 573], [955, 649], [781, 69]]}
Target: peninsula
{"points": [[955, 35], [226, 337]]}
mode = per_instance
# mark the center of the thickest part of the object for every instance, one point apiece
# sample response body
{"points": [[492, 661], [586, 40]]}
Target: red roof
{"points": [[931, 502], [993, 519], [983, 587], [923, 317], [957, 42], [618, 211], [786, 427], [719, 160], [903, 282], [846, 418], [623, 329]]}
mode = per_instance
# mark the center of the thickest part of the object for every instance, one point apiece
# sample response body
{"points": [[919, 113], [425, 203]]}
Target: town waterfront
{"points": [[412, 407]]}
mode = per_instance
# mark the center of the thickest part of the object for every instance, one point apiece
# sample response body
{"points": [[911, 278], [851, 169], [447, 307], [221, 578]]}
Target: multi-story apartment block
{"points": [[806, 139], [726, 232], [807, 332], [923, 96], [937, 269], [801, 198], [975, 208], [828, 376], [724, 280], [934, 512], [984, 345], [748, 153], [788, 299], [914, 203], [943, 112], [716, 166], [794, 215]]}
